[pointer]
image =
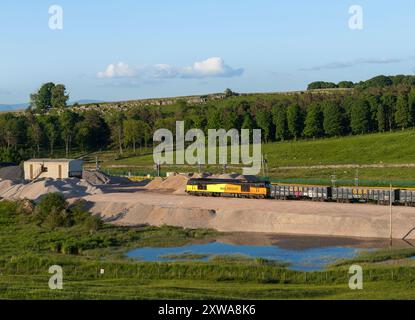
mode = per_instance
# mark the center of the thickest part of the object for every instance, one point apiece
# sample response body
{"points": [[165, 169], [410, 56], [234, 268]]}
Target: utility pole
{"points": [[157, 167], [334, 179], [356, 179], [390, 215]]}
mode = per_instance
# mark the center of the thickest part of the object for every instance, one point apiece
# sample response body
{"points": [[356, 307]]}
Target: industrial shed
{"points": [[52, 168]]}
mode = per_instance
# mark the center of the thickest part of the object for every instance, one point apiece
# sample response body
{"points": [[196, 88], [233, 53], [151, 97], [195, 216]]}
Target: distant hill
{"points": [[21, 106], [11, 107], [85, 101]]}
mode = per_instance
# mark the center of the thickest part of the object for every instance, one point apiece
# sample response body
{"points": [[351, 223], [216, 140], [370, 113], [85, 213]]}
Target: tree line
{"points": [[376, 82], [50, 124]]}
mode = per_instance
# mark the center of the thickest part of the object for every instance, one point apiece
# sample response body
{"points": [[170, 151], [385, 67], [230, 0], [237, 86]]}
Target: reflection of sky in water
{"points": [[303, 260]]}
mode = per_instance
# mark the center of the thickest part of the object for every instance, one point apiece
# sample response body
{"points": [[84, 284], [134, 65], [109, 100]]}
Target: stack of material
{"points": [[202, 175], [175, 184], [99, 178], [69, 188], [155, 184], [248, 178], [14, 173], [226, 176]]}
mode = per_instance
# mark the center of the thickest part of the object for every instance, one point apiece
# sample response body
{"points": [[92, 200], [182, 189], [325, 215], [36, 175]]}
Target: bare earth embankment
{"points": [[246, 215], [164, 202]]}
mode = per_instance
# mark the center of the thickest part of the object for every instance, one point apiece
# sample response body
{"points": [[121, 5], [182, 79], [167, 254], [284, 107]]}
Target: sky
{"points": [[130, 49]]}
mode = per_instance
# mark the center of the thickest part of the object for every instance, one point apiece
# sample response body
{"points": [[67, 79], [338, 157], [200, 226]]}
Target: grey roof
{"points": [[52, 160]]}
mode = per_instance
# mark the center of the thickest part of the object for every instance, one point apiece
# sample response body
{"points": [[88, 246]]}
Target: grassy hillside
{"points": [[380, 158], [27, 250], [390, 148]]}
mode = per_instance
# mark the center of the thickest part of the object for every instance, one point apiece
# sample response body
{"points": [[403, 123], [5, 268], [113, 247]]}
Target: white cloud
{"points": [[348, 64], [119, 70], [209, 68]]}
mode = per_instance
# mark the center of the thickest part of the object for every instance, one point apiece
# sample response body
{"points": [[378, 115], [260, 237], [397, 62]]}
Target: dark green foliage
{"points": [[345, 84], [403, 113], [333, 119], [280, 122], [377, 82], [360, 117], [53, 211], [295, 121], [321, 85], [48, 128], [10, 155], [59, 98], [264, 122], [314, 122], [41, 101], [411, 105], [381, 117]]}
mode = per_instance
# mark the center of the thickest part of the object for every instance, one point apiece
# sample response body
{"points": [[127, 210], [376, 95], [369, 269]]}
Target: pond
{"points": [[300, 253]]}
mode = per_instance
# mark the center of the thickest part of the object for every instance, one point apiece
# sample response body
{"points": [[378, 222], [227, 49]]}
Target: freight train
{"points": [[265, 190]]}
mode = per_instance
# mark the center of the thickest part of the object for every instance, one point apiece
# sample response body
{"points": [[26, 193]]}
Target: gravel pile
{"points": [[11, 173], [70, 188]]}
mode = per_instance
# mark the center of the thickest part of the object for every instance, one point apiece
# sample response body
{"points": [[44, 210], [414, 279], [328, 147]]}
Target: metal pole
{"points": [[390, 213]]}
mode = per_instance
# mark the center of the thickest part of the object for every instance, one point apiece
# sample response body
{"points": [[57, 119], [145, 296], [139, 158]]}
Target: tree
{"points": [[115, 122], [51, 125], [67, 121], [181, 109], [345, 84], [12, 130], [248, 123], [333, 119], [295, 121], [388, 101], [314, 122], [279, 117], [229, 93], [321, 85], [360, 117], [402, 114], [59, 98], [133, 132], [214, 117], [382, 118], [411, 103], [91, 132], [263, 121], [34, 131], [41, 101]]}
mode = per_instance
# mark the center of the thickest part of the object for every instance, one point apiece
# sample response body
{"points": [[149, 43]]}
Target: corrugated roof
{"points": [[52, 160]]}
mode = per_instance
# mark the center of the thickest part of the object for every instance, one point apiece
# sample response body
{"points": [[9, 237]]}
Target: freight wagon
{"points": [[407, 197], [379, 196], [300, 192]]}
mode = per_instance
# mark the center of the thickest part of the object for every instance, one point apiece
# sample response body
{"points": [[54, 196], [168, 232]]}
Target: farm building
{"points": [[52, 168]]}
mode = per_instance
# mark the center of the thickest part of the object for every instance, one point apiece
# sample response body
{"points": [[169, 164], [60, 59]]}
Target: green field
{"points": [[27, 250], [379, 159]]}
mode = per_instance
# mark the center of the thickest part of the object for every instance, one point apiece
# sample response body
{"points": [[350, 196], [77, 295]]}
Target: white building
{"points": [[52, 168]]}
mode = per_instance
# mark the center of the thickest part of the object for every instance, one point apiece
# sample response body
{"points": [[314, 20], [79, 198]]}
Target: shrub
{"points": [[52, 211], [56, 247], [70, 248]]}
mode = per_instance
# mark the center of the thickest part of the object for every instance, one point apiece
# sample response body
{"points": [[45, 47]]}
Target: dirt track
{"points": [[245, 215]]}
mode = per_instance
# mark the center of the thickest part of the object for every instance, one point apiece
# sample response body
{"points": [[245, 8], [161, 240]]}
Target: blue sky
{"points": [[120, 50]]}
